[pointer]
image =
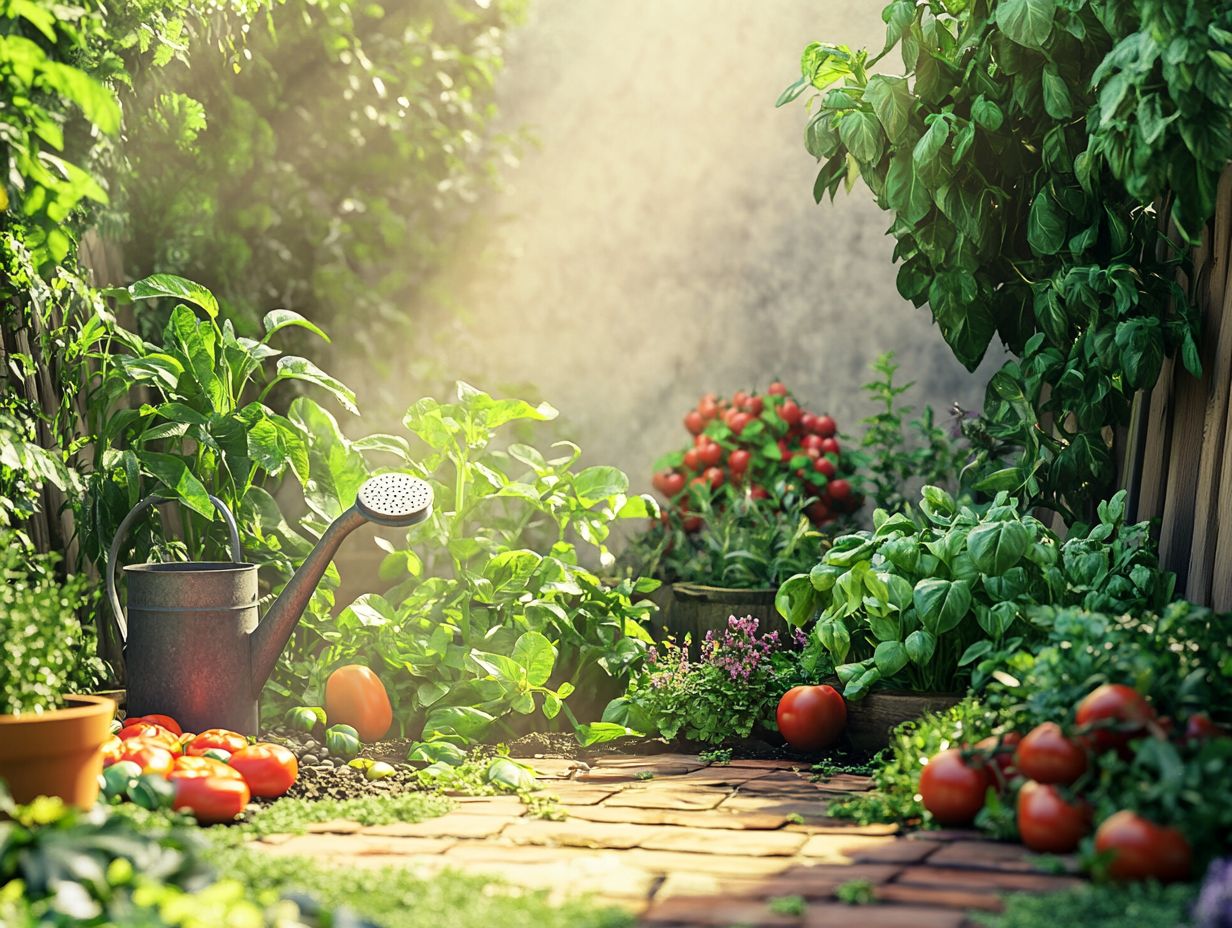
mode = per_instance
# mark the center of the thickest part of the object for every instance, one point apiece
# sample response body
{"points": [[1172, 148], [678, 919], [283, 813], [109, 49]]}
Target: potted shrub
{"points": [[933, 601], [746, 501], [49, 740]]}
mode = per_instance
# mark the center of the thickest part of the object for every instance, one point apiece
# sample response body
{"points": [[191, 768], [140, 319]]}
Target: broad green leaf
{"points": [[168, 285], [594, 733], [905, 190], [296, 368], [594, 484], [890, 657], [987, 114], [537, 654], [510, 775], [891, 101], [1027, 22], [995, 547], [920, 645], [1045, 225], [885, 627], [97, 102], [465, 721], [942, 604], [1056, 94], [437, 752], [279, 319], [974, 652], [835, 638], [174, 474], [862, 135], [794, 600], [858, 688]]}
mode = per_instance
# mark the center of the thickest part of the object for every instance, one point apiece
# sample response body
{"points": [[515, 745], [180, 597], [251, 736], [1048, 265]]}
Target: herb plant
{"points": [[47, 652], [733, 688], [491, 613], [925, 600], [1020, 152]]}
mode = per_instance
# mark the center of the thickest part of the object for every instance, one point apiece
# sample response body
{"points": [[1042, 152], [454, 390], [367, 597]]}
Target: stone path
{"points": [[680, 843]]}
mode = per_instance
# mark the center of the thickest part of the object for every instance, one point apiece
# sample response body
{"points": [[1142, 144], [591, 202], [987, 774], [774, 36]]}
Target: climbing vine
{"points": [[1032, 153]]}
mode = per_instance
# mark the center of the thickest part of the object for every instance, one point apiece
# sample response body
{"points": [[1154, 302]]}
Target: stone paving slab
{"points": [[683, 845]]}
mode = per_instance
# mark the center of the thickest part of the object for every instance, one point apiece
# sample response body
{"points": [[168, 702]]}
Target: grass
{"points": [[397, 898], [293, 815], [1097, 906]]}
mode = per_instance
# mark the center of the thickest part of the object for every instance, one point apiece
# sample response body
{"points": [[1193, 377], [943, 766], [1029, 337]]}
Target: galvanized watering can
{"points": [[194, 647]]}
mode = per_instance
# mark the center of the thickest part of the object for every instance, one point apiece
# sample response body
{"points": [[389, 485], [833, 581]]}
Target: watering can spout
{"points": [[389, 499]]}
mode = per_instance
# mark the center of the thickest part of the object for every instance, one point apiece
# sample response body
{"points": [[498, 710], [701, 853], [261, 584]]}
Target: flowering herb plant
{"points": [[733, 687]]}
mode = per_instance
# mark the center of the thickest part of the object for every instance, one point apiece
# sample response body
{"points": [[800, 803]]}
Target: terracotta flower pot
{"points": [[56, 753], [694, 609]]}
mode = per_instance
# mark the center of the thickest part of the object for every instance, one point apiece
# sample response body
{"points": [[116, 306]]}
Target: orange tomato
{"points": [[149, 730], [355, 696], [268, 769], [203, 767], [216, 738], [165, 721], [211, 800], [150, 756]]}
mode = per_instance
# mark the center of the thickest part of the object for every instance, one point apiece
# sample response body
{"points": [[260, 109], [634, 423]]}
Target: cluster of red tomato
{"points": [[753, 442], [1050, 768], [214, 773]]}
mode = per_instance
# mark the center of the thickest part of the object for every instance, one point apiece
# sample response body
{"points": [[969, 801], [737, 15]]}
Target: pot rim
{"points": [[86, 707], [185, 567]]}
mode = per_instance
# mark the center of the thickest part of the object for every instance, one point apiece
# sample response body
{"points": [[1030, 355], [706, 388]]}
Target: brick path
{"points": [[683, 844]]}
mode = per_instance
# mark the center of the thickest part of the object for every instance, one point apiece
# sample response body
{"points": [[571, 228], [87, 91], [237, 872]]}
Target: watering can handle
{"points": [[237, 555]]}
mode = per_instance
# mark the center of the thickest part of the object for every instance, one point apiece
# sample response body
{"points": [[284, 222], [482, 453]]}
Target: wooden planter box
{"points": [[694, 609], [870, 721]]}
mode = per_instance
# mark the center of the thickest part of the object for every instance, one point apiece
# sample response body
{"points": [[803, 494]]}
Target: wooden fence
{"points": [[1178, 465]]}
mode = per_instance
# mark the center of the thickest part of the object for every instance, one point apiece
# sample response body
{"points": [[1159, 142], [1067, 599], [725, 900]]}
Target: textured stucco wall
{"points": [[662, 237]]}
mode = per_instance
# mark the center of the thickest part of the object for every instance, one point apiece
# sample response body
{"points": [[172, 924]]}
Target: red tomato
{"points": [[758, 492], [1000, 750], [148, 730], [811, 443], [738, 422], [839, 490], [216, 738], [713, 476], [778, 388], [708, 407], [954, 790], [354, 695], [818, 512], [755, 406], [673, 484], [1139, 849], [1047, 756], [826, 426], [738, 462], [789, 412], [211, 800], [825, 466], [829, 446], [808, 422], [1115, 714], [1200, 727], [269, 769], [692, 460], [150, 756], [711, 454], [811, 717], [202, 767], [692, 524], [657, 481], [1047, 823], [739, 398], [694, 422], [165, 721], [784, 451]]}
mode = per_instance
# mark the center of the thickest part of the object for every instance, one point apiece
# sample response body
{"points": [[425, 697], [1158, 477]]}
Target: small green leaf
{"points": [[1027, 22]]}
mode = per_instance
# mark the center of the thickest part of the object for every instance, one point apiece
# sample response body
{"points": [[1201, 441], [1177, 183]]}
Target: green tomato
{"points": [[119, 777], [342, 740], [305, 718], [379, 770]]}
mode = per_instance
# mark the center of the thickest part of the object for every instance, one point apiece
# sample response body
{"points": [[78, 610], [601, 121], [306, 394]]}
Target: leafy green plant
{"points": [[492, 613], [733, 688], [744, 544], [900, 453], [1148, 905], [930, 600], [47, 652], [1020, 151]]}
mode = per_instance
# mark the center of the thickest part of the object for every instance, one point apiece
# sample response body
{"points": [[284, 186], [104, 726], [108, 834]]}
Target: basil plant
{"points": [[933, 600]]}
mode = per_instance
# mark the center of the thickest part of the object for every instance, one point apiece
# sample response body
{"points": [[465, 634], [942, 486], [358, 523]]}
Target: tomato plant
{"points": [[811, 718], [268, 769], [355, 696], [954, 787]]}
